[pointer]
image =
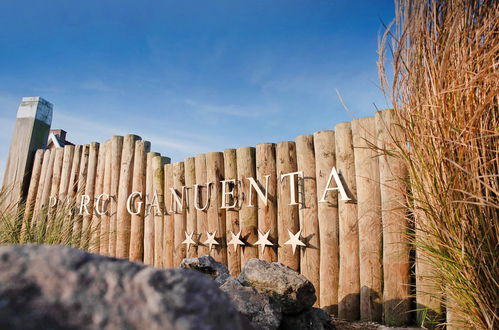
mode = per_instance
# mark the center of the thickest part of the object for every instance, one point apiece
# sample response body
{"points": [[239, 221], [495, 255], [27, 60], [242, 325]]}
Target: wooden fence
{"points": [[277, 202]]}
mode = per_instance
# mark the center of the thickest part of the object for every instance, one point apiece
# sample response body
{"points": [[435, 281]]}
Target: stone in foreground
{"points": [[292, 290], [59, 287], [261, 311], [311, 319], [209, 266]]}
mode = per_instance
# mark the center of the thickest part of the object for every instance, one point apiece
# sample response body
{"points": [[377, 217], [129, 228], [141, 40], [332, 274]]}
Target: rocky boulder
{"points": [[290, 289], [208, 266], [56, 287]]}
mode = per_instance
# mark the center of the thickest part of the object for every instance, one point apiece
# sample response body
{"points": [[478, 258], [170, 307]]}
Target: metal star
{"points": [[189, 240], [236, 240], [263, 240], [211, 240], [294, 240]]}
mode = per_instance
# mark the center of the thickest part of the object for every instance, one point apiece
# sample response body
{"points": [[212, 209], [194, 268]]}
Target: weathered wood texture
{"points": [[41, 184], [31, 130], [105, 220], [309, 221], [216, 215], [201, 213], [349, 280], [138, 186], [179, 213], [232, 214], [82, 180], [32, 191], [157, 207], [369, 218], [169, 219], [95, 223], [149, 216], [287, 215], [116, 151], [325, 160], [267, 214], [396, 266], [90, 194], [191, 224], [248, 216]]}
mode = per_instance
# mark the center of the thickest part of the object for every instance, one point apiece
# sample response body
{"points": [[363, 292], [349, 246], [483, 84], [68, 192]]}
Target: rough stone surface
{"points": [[293, 291], [311, 319], [261, 311], [209, 266], [56, 287]]}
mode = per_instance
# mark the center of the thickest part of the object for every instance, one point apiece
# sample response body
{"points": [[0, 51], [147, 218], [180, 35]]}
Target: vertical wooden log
{"points": [[325, 160], [201, 216], [90, 193], [287, 215], [71, 206], [267, 214], [232, 214], [105, 224], [190, 181], [41, 184], [216, 215], [31, 130], [31, 199], [169, 227], [396, 269], [246, 168], [179, 214], [47, 186], [309, 221], [82, 179], [125, 188], [116, 153], [64, 208], [369, 218], [54, 188], [158, 209], [138, 186], [149, 216], [349, 284], [95, 221]]}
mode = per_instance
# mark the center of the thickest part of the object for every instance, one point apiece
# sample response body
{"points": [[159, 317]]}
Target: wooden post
{"points": [[267, 214], [158, 209], [396, 270], [47, 186], [31, 130], [138, 186], [179, 214], [95, 222], [39, 191], [309, 221], [325, 160], [64, 208], [190, 181], [73, 176], [33, 188], [201, 216], [82, 179], [169, 228], [287, 215], [124, 190], [246, 168], [105, 223], [54, 187], [116, 152], [349, 282], [149, 217], [216, 215], [232, 214], [369, 218], [90, 193]]}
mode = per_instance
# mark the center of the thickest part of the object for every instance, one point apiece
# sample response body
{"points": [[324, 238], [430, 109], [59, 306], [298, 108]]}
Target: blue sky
{"points": [[191, 76]]}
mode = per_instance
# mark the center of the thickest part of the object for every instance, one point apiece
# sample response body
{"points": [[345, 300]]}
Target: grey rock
{"points": [[292, 290], [311, 319], [56, 287], [209, 266], [261, 311]]}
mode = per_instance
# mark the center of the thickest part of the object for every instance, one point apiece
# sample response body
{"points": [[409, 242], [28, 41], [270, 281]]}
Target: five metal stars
{"points": [[294, 240], [263, 240], [211, 240], [236, 240], [189, 240]]}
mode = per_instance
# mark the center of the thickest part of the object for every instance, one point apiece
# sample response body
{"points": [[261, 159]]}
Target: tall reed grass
{"points": [[444, 84]]}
